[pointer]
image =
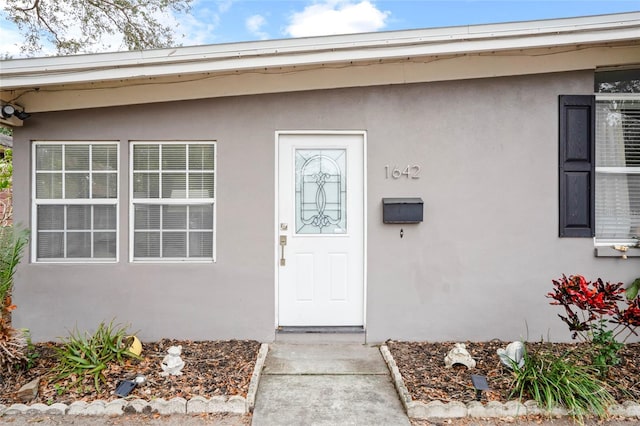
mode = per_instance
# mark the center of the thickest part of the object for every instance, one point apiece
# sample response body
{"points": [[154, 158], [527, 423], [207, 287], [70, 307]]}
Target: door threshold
{"points": [[324, 330], [321, 335]]}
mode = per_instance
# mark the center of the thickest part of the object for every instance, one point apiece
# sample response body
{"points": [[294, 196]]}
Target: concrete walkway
{"points": [[326, 384]]}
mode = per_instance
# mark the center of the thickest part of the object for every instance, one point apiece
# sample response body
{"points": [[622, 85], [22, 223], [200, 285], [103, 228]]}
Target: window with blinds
{"points": [[75, 201], [617, 201], [173, 200]]}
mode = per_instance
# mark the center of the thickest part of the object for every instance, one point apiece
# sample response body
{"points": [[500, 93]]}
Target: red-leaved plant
{"points": [[597, 313], [588, 304]]}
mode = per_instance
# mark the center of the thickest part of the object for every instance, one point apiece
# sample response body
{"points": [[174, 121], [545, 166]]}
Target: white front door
{"points": [[321, 217]]}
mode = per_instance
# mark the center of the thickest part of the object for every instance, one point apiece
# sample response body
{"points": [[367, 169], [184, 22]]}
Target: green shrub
{"points": [[31, 353], [604, 349], [12, 244], [13, 343], [88, 355], [562, 381]]}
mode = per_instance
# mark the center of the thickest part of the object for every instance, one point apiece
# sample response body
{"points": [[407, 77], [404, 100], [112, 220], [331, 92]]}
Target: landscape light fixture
{"points": [[480, 383], [8, 111], [125, 387]]}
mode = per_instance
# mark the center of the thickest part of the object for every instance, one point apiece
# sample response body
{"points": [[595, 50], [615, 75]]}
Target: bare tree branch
{"points": [[73, 26], [26, 9]]}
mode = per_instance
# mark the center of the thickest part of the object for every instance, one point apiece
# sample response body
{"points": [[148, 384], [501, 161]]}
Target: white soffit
{"points": [[328, 50]]}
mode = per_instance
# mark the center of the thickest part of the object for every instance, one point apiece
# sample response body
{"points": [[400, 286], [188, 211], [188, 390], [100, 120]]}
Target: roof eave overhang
{"points": [[26, 77], [39, 72]]}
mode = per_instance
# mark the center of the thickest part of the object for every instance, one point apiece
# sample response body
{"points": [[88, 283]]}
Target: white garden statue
{"points": [[513, 354], [172, 364], [459, 355]]}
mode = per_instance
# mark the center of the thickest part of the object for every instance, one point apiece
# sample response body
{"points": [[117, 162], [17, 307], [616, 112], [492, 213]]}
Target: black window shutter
{"points": [[577, 165]]}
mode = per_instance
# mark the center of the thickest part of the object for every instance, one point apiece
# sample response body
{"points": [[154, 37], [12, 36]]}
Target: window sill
{"points": [[608, 251], [74, 261], [172, 261]]}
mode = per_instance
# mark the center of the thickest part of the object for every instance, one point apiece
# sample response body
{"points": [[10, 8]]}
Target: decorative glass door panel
{"points": [[321, 190]]}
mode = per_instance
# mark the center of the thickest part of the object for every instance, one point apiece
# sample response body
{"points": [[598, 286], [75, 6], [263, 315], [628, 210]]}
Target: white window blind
{"points": [[173, 200], [617, 169], [75, 201]]}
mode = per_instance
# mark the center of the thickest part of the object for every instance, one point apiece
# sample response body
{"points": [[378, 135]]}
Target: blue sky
{"points": [[280, 16], [224, 21]]}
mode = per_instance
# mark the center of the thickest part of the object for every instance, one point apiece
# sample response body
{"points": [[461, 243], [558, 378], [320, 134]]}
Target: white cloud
{"points": [[11, 40], [326, 17], [192, 31], [254, 25], [199, 26], [224, 5]]}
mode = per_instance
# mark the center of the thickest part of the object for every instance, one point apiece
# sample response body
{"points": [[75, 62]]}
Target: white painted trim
{"points": [[34, 206], [177, 201], [130, 201], [78, 201], [276, 227], [363, 134], [77, 261], [216, 175], [364, 224], [319, 77], [72, 201], [618, 170], [174, 261], [617, 96], [251, 64], [38, 72], [604, 242]]}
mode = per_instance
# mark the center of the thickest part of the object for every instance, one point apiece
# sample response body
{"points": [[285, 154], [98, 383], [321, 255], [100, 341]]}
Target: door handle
{"points": [[283, 242]]}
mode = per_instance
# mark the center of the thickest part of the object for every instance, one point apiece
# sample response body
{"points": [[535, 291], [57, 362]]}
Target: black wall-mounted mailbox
{"points": [[402, 210]]}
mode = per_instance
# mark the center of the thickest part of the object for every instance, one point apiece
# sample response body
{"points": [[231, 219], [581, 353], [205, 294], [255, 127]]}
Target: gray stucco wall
{"points": [[477, 268]]}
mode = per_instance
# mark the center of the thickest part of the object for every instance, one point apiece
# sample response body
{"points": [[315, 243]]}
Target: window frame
{"points": [[35, 202], [626, 170], [169, 201]]}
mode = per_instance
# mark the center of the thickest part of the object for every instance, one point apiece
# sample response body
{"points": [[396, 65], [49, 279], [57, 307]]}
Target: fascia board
{"points": [[106, 94], [38, 72], [340, 42], [239, 64]]}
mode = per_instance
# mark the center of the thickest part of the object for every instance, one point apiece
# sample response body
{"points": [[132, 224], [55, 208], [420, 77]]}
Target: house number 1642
{"points": [[409, 172]]}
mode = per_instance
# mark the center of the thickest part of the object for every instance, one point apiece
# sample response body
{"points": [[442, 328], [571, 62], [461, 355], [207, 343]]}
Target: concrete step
{"points": [[319, 359]]}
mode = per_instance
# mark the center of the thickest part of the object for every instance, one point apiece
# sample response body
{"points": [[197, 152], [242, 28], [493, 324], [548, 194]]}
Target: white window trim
{"points": [[602, 242], [75, 201], [599, 242], [180, 201]]}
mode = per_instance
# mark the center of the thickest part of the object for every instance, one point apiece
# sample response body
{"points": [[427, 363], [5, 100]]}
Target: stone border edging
{"points": [[403, 393], [198, 404], [255, 378], [437, 409], [217, 404]]}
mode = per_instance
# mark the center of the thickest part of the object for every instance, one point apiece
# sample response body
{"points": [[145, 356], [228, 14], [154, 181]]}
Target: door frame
{"points": [[276, 225]]}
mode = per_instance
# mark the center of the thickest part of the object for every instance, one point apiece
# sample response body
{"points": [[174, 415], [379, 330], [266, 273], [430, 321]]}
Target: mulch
{"points": [[211, 368], [428, 379], [225, 368]]}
